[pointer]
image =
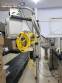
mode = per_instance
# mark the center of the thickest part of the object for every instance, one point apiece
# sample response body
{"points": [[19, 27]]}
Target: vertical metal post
{"points": [[58, 42], [37, 70], [37, 53]]}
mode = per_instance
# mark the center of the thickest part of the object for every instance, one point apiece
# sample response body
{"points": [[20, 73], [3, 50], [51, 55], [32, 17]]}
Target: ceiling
{"points": [[30, 3]]}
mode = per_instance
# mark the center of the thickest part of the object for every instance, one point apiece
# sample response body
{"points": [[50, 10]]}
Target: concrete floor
{"points": [[44, 73], [27, 77]]}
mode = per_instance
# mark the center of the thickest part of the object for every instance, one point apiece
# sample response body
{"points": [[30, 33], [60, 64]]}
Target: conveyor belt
{"points": [[9, 57], [16, 67]]}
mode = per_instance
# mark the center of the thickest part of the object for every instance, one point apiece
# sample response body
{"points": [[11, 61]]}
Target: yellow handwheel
{"points": [[23, 42]]}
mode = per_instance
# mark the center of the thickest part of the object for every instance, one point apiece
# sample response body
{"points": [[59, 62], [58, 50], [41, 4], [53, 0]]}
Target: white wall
{"points": [[44, 16], [3, 16]]}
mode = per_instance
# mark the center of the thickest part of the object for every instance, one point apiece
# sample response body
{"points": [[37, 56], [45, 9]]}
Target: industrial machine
{"points": [[22, 32], [22, 35]]}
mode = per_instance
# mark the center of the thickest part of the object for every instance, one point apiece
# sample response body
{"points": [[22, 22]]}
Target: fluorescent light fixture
{"points": [[36, 1]]}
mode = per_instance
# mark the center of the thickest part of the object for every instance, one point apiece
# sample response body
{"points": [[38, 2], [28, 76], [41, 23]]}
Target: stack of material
{"points": [[2, 72]]}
